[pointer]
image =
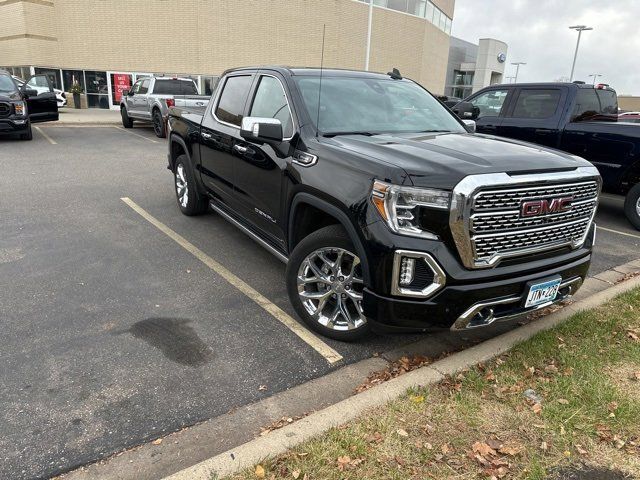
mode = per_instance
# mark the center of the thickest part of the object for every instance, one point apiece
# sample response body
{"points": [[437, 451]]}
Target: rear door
{"points": [[491, 103], [220, 142], [42, 107], [534, 115]]}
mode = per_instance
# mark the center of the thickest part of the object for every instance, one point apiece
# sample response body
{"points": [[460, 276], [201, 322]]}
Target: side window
{"points": [[136, 87], [39, 81], [234, 95], [536, 103], [144, 86], [270, 101], [490, 103], [587, 105]]}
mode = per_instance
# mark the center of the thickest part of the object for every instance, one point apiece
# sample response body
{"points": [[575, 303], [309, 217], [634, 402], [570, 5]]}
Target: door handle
{"points": [[199, 104], [543, 131], [206, 135], [240, 148]]}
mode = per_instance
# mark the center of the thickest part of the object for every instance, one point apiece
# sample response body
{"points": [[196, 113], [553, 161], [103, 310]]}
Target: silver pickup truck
{"points": [[150, 98]]}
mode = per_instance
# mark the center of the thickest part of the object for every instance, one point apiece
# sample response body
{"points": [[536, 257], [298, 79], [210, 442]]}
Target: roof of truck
{"points": [[600, 86], [312, 71]]}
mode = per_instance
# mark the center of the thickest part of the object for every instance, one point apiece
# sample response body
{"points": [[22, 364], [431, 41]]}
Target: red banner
{"points": [[122, 82]]}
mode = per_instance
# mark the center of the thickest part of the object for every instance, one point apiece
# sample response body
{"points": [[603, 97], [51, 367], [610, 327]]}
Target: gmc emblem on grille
{"points": [[547, 206]]}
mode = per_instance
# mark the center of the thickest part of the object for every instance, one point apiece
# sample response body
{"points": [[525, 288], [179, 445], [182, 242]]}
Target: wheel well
{"points": [[308, 219], [631, 177], [176, 150]]}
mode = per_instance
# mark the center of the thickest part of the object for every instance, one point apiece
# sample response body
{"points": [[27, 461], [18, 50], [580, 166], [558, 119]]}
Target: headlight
{"points": [[397, 206], [20, 108]]}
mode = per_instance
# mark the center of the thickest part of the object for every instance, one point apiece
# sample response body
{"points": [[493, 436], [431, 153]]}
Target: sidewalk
{"points": [[87, 116]]}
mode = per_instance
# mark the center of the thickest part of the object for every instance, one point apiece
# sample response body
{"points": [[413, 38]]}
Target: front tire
{"points": [[325, 284], [632, 206], [190, 201], [126, 120], [28, 135], [158, 124]]}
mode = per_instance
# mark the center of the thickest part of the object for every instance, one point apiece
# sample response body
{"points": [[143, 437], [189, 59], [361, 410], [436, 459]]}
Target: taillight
{"points": [[170, 102]]}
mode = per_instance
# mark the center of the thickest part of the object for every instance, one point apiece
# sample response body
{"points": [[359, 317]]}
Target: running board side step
{"points": [[260, 241]]}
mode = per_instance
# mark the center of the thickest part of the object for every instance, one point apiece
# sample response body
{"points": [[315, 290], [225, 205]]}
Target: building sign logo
{"points": [[502, 57], [122, 82], [547, 206]]}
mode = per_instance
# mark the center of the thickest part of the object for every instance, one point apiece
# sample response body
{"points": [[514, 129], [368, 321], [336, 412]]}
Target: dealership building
{"points": [[472, 67], [105, 45]]}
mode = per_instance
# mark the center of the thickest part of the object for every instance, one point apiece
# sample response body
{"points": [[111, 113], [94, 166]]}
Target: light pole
{"points": [[366, 62], [579, 29], [595, 75], [517, 64], [508, 79]]}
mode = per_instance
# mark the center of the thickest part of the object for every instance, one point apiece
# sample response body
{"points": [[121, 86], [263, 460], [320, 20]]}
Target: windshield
{"points": [[7, 86], [374, 105], [175, 87]]}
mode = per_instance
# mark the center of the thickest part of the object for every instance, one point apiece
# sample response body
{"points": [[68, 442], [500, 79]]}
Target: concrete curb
{"points": [[281, 440]]}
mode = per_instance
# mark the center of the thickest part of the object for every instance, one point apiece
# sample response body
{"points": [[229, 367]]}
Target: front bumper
{"points": [[474, 298], [11, 125]]}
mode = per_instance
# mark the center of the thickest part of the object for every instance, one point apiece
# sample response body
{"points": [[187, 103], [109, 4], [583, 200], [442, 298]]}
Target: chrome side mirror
{"points": [[261, 130], [470, 125]]}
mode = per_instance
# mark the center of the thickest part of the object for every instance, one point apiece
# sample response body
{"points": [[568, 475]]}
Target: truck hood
{"points": [[442, 160], [10, 97]]}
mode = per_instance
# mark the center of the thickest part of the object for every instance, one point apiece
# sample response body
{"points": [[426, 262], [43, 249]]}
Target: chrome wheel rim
{"points": [[182, 188], [638, 207], [330, 288]]}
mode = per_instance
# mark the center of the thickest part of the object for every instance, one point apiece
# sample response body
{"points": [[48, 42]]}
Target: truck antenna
{"points": [[324, 29]]}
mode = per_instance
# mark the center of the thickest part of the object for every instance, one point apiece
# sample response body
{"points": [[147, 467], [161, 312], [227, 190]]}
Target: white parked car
{"points": [[61, 97]]}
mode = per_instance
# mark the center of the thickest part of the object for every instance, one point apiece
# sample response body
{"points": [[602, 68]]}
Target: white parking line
{"points": [[618, 232], [314, 342], [137, 135], [49, 139]]}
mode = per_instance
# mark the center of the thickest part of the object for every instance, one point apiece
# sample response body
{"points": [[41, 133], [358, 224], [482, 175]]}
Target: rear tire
{"points": [[158, 124], [324, 268], [28, 135], [127, 122], [190, 201], [632, 206]]}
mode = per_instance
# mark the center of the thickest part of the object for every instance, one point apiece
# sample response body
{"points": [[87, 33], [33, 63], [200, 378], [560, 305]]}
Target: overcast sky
{"points": [[537, 33]]}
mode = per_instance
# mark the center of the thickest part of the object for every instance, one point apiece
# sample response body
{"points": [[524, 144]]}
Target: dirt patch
{"points": [[585, 472], [626, 377]]}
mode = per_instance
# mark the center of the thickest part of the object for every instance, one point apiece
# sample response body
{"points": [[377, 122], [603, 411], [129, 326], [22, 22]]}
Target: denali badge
{"points": [[547, 206]]}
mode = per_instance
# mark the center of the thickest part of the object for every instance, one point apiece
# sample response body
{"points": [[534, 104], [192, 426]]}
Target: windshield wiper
{"points": [[434, 131], [334, 134]]}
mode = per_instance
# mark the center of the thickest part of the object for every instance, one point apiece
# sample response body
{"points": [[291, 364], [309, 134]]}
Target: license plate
{"points": [[543, 292]]}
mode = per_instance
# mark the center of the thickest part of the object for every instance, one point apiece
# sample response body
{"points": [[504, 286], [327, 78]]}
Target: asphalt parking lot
{"points": [[114, 331]]}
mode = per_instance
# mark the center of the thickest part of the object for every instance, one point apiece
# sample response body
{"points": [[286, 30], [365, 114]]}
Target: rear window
{"points": [[592, 104], [540, 103], [175, 87]]}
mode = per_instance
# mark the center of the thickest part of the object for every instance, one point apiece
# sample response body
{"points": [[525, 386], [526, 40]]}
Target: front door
{"points": [[42, 107], [259, 175], [220, 141], [491, 104]]}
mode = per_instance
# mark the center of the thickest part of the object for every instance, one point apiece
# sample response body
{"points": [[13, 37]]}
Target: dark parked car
{"points": [[387, 211], [573, 117], [20, 107]]}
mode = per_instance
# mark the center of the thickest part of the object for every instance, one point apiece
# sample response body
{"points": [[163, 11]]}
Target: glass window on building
{"points": [[97, 89], [209, 84], [430, 12], [462, 78], [399, 5], [53, 74], [69, 77]]}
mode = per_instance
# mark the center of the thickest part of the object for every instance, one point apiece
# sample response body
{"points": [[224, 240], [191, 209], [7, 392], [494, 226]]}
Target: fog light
{"points": [[407, 269]]}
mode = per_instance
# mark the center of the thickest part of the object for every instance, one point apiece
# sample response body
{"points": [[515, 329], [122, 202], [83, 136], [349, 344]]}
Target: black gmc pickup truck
{"points": [[388, 212], [573, 117], [20, 107]]}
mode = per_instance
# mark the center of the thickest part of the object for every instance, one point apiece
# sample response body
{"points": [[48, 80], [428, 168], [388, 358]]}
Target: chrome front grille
{"points": [[490, 220], [5, 109]]}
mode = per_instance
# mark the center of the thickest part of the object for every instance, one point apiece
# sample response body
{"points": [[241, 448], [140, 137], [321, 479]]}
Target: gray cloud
{"points": [[537, 33]]}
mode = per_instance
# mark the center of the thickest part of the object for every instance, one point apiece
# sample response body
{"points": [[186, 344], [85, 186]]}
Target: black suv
{"points": [[387, 210], [20, 107]]}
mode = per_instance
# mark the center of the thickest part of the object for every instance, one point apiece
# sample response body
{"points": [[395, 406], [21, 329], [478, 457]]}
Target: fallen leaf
{"points": [[483, 449], [428, 446], [157, 442], [343, 462], [262, 388], [636, 376], [613, 406], [446, 448], [260, 473], [511, 450], [417, 398], [295, 474], [581, 450], [563, 401], [402, 433], [537, 408], [495, 444], [544, 447], [633, 335]]}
